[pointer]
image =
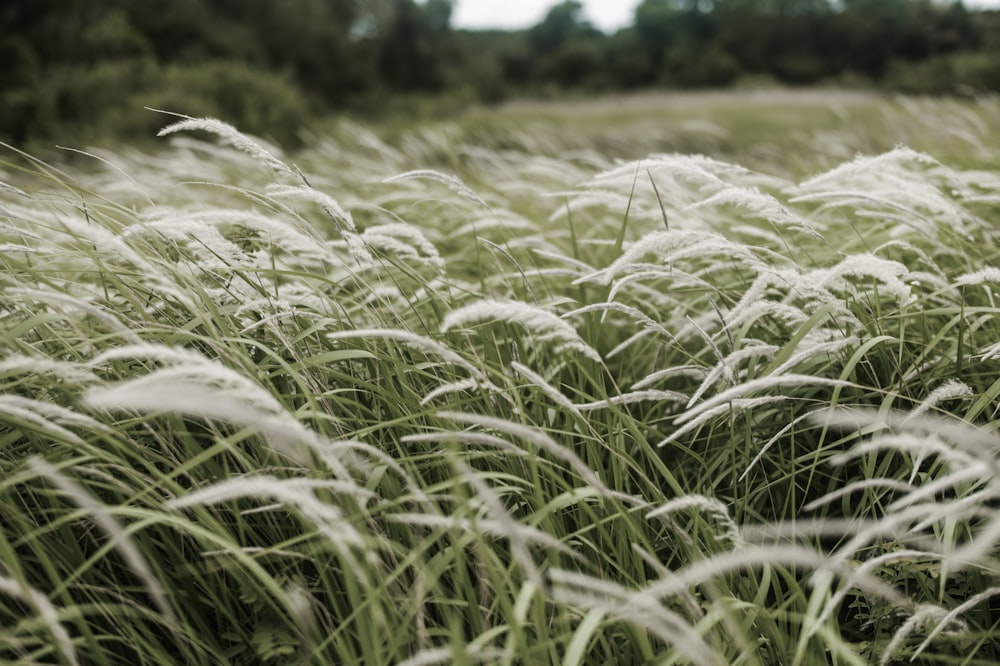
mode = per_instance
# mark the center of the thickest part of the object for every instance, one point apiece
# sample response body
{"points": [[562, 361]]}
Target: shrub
{"points": [[105, 99], [262, 103]]}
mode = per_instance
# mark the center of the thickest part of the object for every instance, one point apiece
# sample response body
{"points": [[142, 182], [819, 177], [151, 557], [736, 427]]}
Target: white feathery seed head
{"points": [[989, 274], [405, 241], [47, 612], [305, 193], [891, 275], [299, 493], [119, 538], [414, 340], [543, 324], [758, 203], [233, 136], [453, 182], [707, 505]]}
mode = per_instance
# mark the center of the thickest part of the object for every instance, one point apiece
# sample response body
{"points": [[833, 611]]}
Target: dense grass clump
{"points": [[355, 407]]}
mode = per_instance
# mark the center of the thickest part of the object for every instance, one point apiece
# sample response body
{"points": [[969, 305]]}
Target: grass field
{"points": [[706, 379]]}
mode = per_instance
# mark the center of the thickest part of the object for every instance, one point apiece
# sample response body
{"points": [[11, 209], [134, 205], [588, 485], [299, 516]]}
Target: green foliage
{"points": [[113, 37], [108, 98], [268, 104], [346, 54], [978, 72], [414, 46], [961, 73]]}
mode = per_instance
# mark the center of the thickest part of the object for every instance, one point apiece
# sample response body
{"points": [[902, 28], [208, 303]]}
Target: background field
{"points": [[86, 68], [707, 378]]}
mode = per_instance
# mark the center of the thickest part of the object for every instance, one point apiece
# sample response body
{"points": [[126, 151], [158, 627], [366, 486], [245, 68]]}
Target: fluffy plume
{"points": [[542, 323], [232, 136]]}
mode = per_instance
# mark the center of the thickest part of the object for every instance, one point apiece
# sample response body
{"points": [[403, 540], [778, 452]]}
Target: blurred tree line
{"points": [[83, 67]]}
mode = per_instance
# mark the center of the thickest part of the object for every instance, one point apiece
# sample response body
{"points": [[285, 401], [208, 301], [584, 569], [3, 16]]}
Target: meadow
{"points": [[694, 379]]}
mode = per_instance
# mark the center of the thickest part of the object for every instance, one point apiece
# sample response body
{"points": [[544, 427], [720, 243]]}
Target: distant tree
{"points": [[566, 47], [70, 61], [656, 27], [626, 63], [113, 37], [182, 30], [414, 42], [676, 36], [563, 22]]}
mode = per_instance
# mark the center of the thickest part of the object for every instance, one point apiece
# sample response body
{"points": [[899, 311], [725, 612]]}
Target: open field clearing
{"points": [[540, 385]]}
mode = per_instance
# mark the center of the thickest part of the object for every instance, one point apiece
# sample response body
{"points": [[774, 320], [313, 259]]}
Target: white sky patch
{"points": [[608, 15]]}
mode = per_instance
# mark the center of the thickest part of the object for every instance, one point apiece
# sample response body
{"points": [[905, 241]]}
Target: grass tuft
{"points": [[488, 397]]}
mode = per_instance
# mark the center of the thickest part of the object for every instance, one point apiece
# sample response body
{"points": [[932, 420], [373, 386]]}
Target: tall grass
{"points": [[435, 402]]}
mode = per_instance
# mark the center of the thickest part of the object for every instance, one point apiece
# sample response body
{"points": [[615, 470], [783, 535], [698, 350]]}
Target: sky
{"points": [[609, 15]]}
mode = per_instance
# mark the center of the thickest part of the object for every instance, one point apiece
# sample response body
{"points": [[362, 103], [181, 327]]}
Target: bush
{"points": [[926, 77], [78, 100], [979, 71], [263, 103], [956, 73], [715, 66], [108, 98]]}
